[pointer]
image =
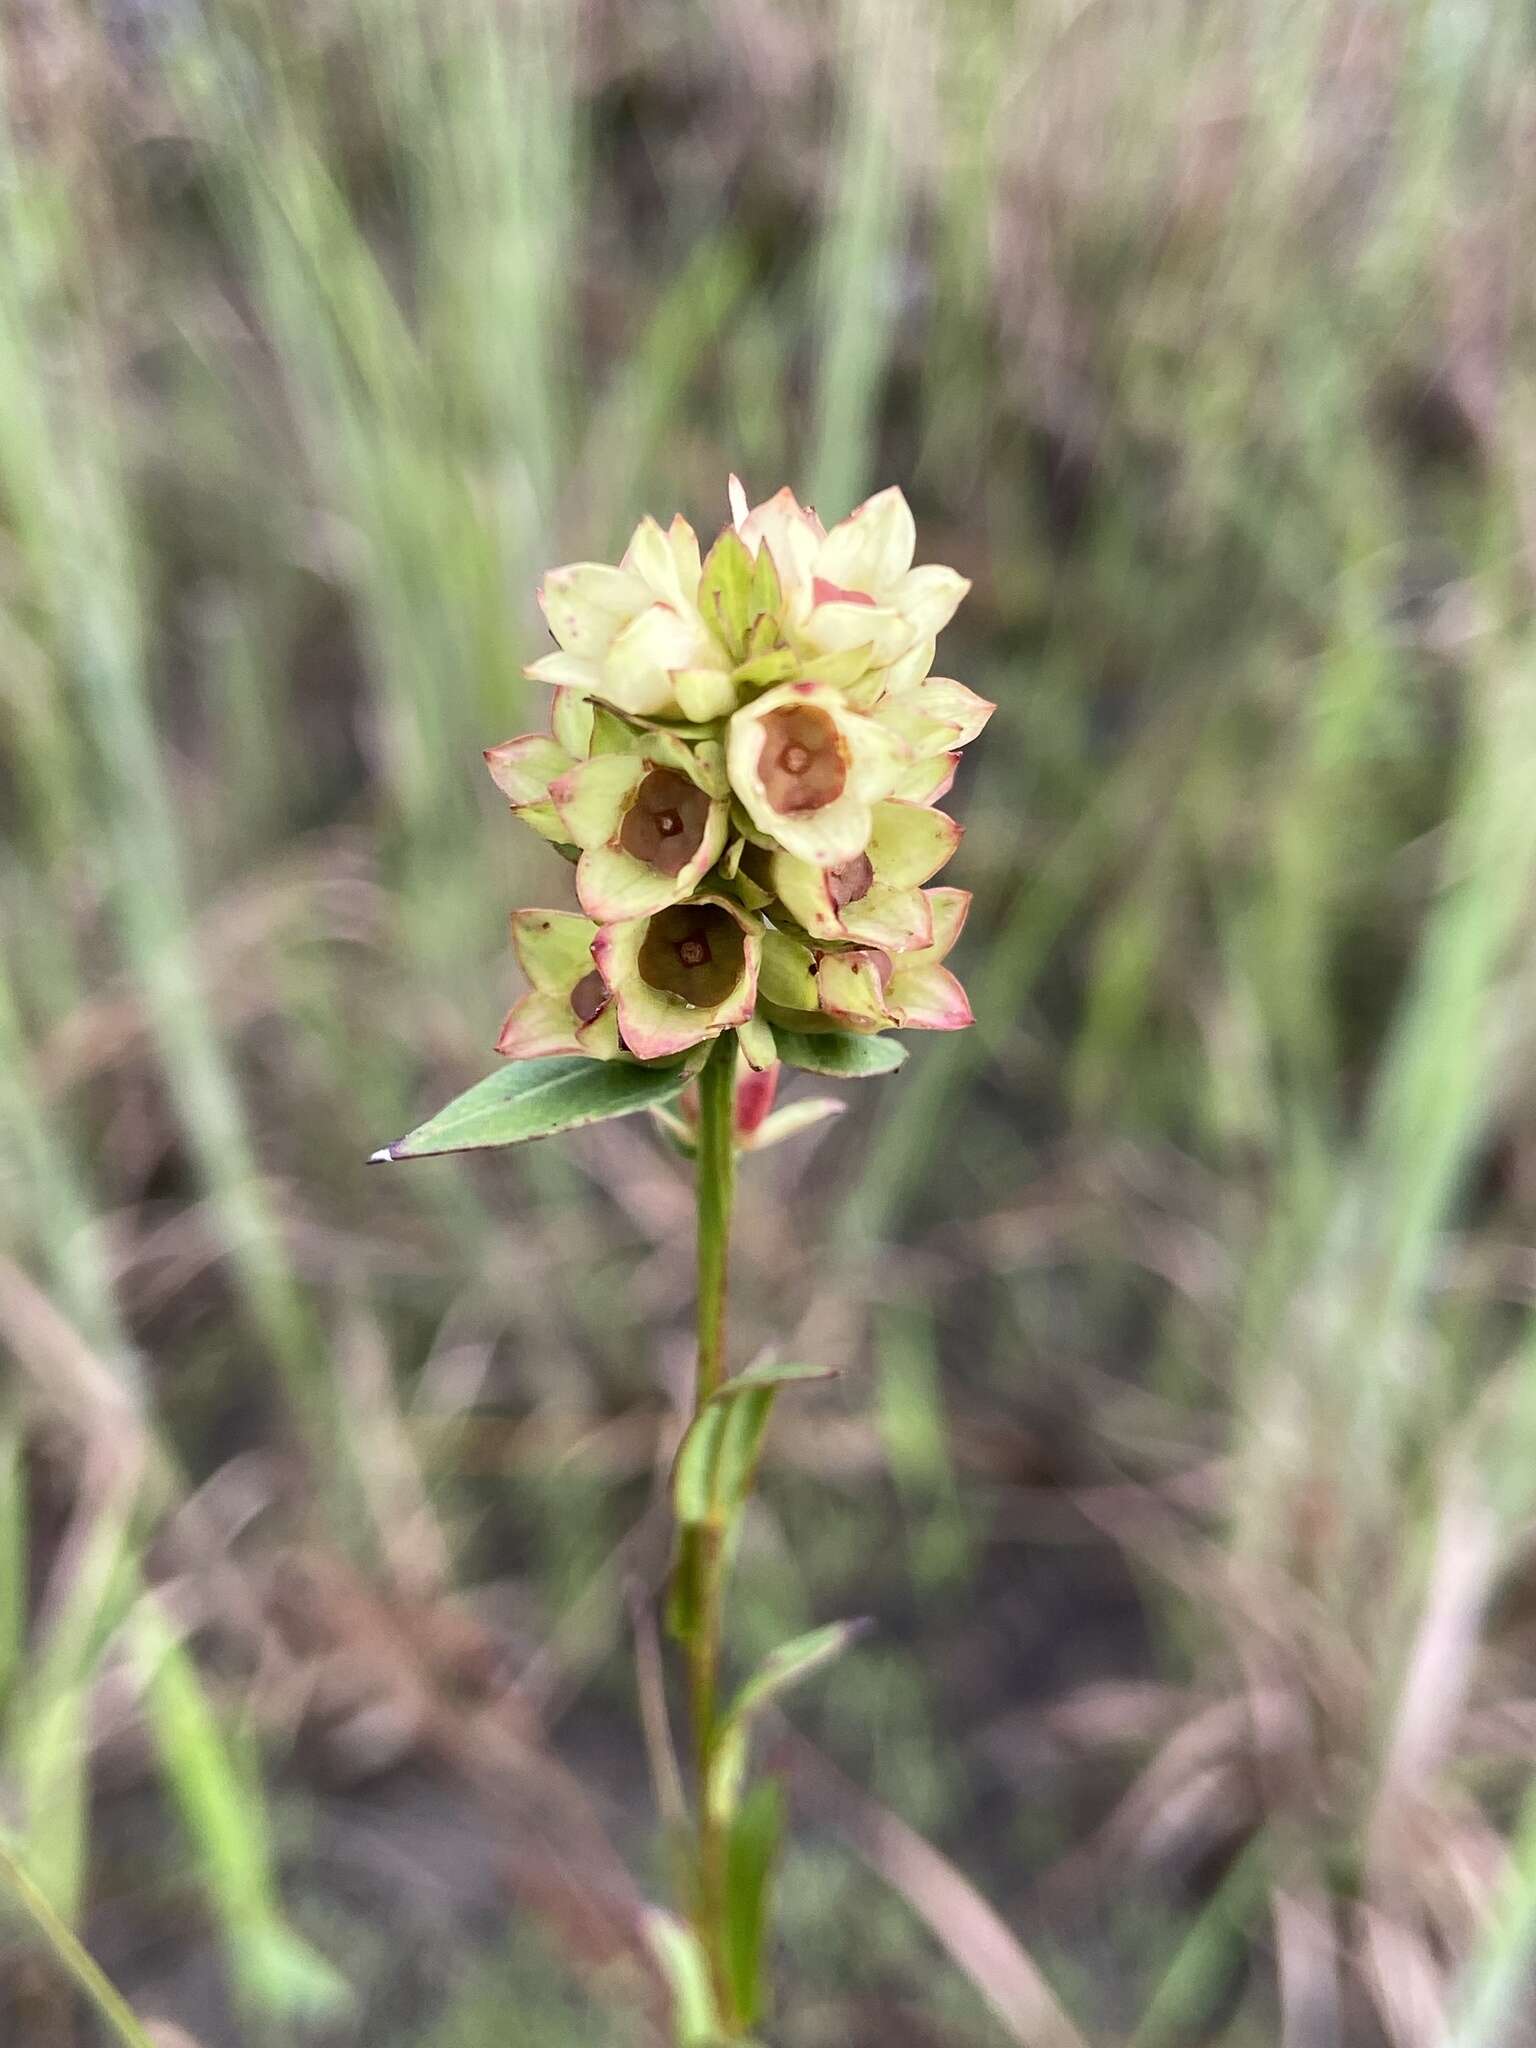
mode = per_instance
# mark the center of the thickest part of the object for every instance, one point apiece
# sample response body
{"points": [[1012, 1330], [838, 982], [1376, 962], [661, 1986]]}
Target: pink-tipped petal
{"points": [[538, 1027], [591, 797], [611, 886], [849, 988], [950, 908], [926, 782], [928, 598], [928, 998], [587, 602], [522, 769], [653, 1030], [553, 948], [873, 547]]}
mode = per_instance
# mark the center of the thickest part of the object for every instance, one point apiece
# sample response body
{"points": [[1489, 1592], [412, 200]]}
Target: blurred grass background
{"points": [[1186, 1449]]}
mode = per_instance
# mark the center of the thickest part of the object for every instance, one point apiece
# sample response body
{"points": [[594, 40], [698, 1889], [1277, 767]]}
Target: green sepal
{"points": [[767, 592], [628, 731], [846, 1055], [752, 1847], [726, 591], [774, 665], [612, 731], [840, 670], [750, 893], [536, 1099]]}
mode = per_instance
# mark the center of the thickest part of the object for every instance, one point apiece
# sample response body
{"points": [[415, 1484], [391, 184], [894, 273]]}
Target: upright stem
{"points": [[714, 1188]]}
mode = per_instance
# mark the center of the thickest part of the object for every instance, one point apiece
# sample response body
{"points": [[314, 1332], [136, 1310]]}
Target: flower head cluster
{"points": [[745, 755]]}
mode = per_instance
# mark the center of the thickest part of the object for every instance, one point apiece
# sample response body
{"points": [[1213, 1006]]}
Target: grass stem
{"points": [[72, 1956]]}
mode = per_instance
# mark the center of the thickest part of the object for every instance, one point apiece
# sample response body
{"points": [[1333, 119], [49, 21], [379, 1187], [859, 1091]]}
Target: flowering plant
{"points": [[745, 757], [746, 753]]}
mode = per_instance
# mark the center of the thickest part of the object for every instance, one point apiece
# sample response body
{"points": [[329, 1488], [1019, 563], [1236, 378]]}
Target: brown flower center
{"points": [[664, 825], [802, 762], [694, 951], [850, 881], [588, 997]]}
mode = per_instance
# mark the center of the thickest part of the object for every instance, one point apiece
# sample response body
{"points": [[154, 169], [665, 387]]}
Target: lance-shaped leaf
{"points": [[696, 2021], [536, 1099], [779, 1670], [751, 1848], [847, 1055], [792, 1661], [794, 1118], [716, 1458], [712, 1476]]}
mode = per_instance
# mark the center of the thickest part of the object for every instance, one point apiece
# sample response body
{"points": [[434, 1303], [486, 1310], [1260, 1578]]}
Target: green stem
{"points": [[714, 1188], [73, 1958]]}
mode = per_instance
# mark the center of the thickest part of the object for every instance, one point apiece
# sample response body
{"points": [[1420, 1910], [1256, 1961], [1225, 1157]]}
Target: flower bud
{"points": [[853, 589], [633, 636], [756, 1124]]}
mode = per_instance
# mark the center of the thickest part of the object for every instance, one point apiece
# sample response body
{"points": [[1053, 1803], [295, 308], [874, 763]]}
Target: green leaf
{"points": [[792, 1661], [848, 1055], [794, 1118], [685, 1593], [751, 1847], [535, 1099], [696, 2018], [774, 1375], [716, 1458], [781, 1669], [723, 1438]]}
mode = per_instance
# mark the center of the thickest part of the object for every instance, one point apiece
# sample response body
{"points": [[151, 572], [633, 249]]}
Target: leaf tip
{"points": [[385, 1156]]}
